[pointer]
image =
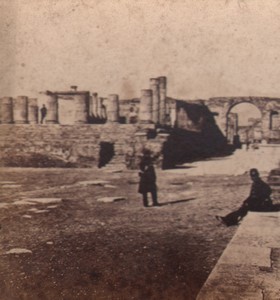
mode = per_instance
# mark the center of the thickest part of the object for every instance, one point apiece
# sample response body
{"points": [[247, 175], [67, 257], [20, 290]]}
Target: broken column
{"points": [[112, 108], [162, 101], [32, 111], [94, 105], [20, 110], [154, 85], [99, 108], [81, 108], [146, 101], [173, 113], [7, 110], [52, 109]]}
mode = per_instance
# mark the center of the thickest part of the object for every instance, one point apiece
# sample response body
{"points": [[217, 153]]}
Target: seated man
{"points": [[258, 200]]}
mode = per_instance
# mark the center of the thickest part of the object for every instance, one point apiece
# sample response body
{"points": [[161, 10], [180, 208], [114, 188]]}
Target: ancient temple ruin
{"points": [[84, 128]]}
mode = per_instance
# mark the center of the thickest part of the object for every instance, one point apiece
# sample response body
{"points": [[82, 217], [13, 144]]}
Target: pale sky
{"points": [[206, 48], [246, 111]]}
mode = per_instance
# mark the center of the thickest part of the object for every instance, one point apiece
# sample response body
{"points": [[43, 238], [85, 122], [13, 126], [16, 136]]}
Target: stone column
{"points": [[7, 110], [104, 108], [52, 109], [94, 105], [20, 110], [146, 101], [112, 108], [173, 113], [162, 101], [154, 85], [32, 111], [265, 125], [81, 108], [99, 108]]}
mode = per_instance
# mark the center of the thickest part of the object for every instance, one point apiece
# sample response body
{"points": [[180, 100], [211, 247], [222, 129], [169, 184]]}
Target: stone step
{"points": [[275, 172], [114, 165], [274, 178], [240, 272], [118, 158]]}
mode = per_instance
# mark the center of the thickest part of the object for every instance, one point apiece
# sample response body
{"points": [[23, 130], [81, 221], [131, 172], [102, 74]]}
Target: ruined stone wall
{"points": [[221, 106], [190, 130], [190, 116], [74, 145]]}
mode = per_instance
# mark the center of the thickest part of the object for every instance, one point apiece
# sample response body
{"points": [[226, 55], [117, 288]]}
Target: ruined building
{"points": [[85, 129]]}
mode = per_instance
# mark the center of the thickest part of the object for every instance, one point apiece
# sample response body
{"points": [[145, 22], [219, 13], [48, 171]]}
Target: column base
{"points": [[20, 122], [81, 122], [146, 122], [51, 122]]}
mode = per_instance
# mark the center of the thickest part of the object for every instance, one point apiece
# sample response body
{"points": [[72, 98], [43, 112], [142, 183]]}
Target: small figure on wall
{"points": [[43, 111]]}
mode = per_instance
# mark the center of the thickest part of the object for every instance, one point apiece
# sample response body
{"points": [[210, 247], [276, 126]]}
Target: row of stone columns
{"points": [[110, 111], [153, 107], [97, 109], [20, 110], [80, 103], [83, 109]]}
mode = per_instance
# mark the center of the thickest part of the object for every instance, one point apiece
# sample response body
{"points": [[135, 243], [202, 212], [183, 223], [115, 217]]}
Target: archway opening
{"points": [[106, 153], [244, 123]]}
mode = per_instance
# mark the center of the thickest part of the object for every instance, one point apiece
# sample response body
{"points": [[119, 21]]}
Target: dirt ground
{"points": [[85, 249]]}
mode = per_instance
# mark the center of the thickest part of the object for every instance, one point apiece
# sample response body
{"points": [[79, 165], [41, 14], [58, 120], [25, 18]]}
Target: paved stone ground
{"points": [[79, 248], [265, 158], [249, 268]]}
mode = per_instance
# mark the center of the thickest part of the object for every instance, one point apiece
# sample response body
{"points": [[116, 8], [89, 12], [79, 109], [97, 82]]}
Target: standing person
{"points": [[147, 182], [258, 200], [43, 111], [247, 145]]}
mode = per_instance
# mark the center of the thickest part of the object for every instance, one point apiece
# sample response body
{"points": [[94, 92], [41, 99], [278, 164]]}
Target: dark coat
{"points": [[147, 182], [259, 196], [43, 111]]}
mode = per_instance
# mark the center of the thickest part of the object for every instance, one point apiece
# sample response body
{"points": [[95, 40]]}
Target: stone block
{"points": [[19, 251], [110, 199], [93, 182], [43, 200]]}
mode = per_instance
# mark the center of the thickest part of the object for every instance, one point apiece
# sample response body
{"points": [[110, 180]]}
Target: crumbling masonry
{"points": [[84, 129]]}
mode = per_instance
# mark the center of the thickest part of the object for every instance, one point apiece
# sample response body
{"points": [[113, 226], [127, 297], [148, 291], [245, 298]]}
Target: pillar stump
{"points": [[52, 109], [162, 96], [154, 86], [7, 110], [20, 110], [81, 108], [146, 101], [113, 108], [32, 111]]}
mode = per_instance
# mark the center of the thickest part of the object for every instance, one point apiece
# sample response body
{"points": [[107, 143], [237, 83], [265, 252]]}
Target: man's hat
{"points": [[254, 172]]}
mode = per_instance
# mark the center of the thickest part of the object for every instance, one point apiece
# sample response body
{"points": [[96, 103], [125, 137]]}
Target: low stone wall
{"points": [[72, 145]]}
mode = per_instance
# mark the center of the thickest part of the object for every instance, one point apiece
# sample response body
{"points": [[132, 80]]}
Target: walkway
{"points": [[249, 268], [265, 158]]}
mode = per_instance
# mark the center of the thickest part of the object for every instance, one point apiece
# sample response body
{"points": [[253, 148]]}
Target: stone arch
{"points": [[223, 105], [236, 131]]}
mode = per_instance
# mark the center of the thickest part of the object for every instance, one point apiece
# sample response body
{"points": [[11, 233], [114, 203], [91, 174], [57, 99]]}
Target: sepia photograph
{"points": [[139, 150]]}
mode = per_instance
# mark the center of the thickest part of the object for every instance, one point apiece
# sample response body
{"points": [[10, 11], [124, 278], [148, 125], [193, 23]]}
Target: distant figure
{"points": [[258, 200], [43, 113], [147, 182], [247, 145], [132, 116]]}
